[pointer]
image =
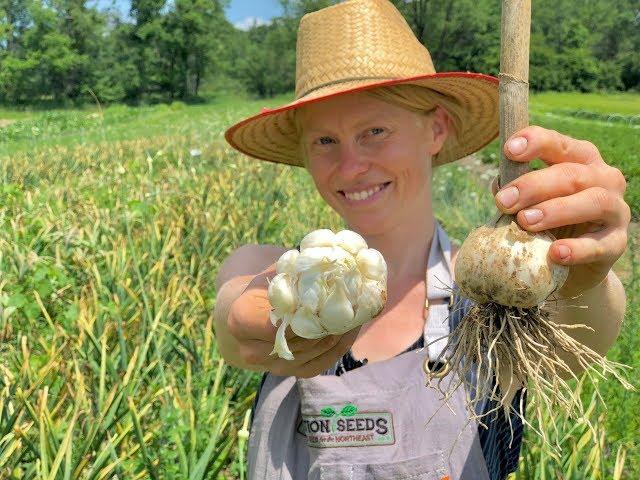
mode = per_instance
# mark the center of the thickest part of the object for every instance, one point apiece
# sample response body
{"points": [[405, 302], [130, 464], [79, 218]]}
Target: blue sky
{"points": [[241, 13], [244, 12]]}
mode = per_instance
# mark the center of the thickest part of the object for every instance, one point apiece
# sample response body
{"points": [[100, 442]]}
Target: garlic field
{"points": [[113, 222]]}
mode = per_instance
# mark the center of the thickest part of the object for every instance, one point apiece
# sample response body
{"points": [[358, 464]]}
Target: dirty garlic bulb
{"points": [[507, 265], [334, 284]]}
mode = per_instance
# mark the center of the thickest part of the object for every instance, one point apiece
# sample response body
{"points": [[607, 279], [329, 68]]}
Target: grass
{"points": [[627, 104], [112, 228], [612, 124]]}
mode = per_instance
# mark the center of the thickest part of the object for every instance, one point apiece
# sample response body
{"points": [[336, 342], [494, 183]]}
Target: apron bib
{"points": [[371, 423]]}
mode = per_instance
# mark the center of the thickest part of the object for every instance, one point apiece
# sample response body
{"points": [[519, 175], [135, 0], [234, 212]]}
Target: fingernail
{"points": [[533, 216], [508, 197], [564, 251], [517, 145]]}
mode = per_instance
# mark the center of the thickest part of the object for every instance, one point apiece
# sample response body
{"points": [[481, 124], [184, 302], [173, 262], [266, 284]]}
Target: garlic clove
{"points": [[318, 238], [343, 261], [371, 301], [350, 241], [282, 295], [280, 346], [353, 281], [312, 295], [336, 315], [274, 317], [287, 262], [371, 264], [307, 325], [315, 258]]}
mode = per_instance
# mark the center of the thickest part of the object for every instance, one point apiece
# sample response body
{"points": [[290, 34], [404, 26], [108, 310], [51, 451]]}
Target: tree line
{"points": [[63, 51]]}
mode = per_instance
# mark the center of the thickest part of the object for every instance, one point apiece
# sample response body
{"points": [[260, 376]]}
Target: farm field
{"points": [[113, 223]]}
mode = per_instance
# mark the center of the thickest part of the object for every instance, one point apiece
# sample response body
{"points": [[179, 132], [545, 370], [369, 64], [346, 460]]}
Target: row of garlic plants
{"points": [[108, 255]]}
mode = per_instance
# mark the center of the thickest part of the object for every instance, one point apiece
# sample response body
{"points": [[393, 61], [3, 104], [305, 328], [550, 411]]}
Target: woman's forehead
{"points": [[354, 107]]}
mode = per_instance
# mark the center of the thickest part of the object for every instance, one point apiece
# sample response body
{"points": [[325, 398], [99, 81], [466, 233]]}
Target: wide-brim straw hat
{"points": [[359, 45]]}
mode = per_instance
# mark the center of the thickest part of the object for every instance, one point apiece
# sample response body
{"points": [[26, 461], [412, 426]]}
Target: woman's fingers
{"points": [[595, 205], [602, 247], [308, 353], [551, 147], [558, 180], [320, 363]]}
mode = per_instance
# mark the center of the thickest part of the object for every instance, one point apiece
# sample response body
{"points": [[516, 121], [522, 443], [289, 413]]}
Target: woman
{"points": [[370, 120]]}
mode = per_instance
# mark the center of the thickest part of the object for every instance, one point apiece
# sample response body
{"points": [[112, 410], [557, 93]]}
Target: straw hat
{"points": [[359, 45]]}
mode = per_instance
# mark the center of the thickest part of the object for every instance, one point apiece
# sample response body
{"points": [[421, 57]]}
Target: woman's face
{"points": [[371, 160]]}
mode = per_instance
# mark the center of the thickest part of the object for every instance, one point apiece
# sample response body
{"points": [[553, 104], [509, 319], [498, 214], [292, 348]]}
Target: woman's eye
{"points": [[324, 140], [376, 131]]}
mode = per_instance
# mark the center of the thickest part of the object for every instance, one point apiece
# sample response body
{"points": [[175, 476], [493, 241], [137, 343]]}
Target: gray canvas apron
{"points": [[371, 422]]}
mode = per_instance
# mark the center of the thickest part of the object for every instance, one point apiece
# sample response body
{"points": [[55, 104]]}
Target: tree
{"points": [[460, 34], [196, 31]]}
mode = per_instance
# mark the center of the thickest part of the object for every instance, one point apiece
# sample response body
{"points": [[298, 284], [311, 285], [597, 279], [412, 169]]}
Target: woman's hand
{"points": [[249, 324], [578, 197]]}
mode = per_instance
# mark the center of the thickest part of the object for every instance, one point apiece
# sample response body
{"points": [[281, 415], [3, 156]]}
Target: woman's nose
{"points": [[352, 162]]}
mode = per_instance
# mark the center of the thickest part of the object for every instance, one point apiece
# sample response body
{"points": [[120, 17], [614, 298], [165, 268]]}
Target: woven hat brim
{"points": [[271, 135]]}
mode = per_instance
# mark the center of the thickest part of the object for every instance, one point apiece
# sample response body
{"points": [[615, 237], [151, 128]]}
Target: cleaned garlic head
{"points": [[334, 284], [508, 266]]}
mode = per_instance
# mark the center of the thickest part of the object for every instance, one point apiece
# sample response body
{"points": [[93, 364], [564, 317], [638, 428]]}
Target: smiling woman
{"points": [[370, 122]]}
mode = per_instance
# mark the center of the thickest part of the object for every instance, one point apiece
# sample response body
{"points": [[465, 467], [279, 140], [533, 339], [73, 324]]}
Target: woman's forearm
{"points": [[234, 300], [600, 308], [224, 311]]}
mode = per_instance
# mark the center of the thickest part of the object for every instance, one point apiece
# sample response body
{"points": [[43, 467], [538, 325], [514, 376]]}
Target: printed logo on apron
{"points": [[347, 428]]}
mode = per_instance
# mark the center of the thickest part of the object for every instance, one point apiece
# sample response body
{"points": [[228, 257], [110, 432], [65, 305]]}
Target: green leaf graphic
{"points": [[327, 412], [349, 410]]}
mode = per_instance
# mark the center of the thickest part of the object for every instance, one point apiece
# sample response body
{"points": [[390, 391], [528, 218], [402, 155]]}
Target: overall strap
{"points": [[439, 281]]}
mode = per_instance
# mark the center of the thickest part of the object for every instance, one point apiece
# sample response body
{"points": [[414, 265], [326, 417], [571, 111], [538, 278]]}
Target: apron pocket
{"points": [[425, 467]]}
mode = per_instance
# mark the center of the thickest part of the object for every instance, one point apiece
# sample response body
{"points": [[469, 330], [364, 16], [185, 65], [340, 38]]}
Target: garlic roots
{"points": [[334, 284], [509, 336]]}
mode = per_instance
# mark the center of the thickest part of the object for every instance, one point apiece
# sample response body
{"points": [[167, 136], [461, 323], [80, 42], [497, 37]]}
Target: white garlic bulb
{"points": [[334, 284]]}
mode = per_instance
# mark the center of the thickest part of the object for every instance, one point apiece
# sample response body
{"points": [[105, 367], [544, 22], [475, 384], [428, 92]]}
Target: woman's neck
{"points": [[406, 247]]}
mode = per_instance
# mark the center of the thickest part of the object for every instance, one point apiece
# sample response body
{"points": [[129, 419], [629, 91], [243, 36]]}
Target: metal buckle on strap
{"points": [[441, 368]]}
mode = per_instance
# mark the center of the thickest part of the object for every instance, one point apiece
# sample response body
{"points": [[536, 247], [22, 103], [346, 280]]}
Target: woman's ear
{"points": [[439, 123]]}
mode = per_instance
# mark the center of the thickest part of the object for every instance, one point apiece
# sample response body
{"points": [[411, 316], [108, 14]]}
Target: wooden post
{"points": [[514, 80]]}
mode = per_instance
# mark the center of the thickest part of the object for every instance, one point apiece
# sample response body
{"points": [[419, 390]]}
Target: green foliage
{"points": [[68, 51], [111, 232], [267, 64]]}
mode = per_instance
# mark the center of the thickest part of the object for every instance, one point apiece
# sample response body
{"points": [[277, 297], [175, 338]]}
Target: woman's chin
{"points": [[370, 225]]}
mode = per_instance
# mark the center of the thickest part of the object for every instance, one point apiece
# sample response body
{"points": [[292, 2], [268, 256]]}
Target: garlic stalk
{"points": [[334, 284]]}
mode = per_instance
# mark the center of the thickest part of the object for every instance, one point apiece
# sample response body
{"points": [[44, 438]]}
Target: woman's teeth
{"points": [[364, 194]]}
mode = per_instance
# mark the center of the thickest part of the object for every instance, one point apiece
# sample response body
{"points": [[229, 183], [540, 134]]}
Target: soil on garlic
{"points": [[506, 264]]}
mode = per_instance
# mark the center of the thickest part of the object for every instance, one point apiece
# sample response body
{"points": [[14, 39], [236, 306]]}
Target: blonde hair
{"points": [[415, 99]]}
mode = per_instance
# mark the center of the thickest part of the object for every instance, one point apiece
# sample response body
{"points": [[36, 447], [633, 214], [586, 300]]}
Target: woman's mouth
{"points": [[365, 197]]}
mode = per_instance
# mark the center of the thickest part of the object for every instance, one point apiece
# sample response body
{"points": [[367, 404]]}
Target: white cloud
{"points": [[250, 22]]}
